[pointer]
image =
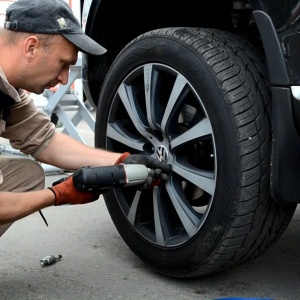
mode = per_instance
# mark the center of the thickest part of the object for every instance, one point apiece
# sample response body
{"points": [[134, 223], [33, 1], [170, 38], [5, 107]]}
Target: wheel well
{"points": [[115, 23]]}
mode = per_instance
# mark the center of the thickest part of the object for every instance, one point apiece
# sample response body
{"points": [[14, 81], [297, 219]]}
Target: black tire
{"points": [[202, 96]]}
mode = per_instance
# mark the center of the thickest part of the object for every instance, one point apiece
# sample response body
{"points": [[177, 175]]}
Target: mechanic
{"points": [[39, 42]]}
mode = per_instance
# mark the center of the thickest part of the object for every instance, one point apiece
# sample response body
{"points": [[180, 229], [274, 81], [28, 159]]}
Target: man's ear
{"points": [[30, 48]]}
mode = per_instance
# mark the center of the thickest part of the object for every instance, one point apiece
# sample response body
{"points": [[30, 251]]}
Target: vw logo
{"points": [[162, 154]]}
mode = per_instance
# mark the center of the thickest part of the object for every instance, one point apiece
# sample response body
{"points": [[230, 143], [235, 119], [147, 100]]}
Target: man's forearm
{"points": [[15, 206], [67, 153]]}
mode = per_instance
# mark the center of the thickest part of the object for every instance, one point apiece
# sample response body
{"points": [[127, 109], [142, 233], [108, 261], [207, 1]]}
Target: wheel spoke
{"points": [[186, 213], [178, 87], [201, 178], [152, 101], [133, 208], [136, 116], [117, 133], [201, 129], [161, 229]]}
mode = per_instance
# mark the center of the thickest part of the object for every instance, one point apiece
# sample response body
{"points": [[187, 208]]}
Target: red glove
{"points": [[65, 193], [121, 159]]}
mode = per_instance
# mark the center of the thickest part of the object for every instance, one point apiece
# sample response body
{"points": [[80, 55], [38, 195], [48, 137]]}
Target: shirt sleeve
{"points": [[27, 128]]}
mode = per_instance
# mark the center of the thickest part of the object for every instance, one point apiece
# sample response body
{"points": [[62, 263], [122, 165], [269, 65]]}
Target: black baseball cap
{"points": [[50, 17]]}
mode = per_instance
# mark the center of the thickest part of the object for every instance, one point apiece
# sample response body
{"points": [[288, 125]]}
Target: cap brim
{"points": [[85, 43]]}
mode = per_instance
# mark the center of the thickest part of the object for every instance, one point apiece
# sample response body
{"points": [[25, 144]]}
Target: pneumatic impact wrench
{"points": [[96, 178]]}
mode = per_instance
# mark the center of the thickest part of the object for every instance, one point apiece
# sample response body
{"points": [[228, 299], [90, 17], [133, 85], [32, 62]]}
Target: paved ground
{"points": [[97, 264]]}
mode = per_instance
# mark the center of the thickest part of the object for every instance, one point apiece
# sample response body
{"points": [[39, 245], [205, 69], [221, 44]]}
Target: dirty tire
{"points": [[197, 99]]}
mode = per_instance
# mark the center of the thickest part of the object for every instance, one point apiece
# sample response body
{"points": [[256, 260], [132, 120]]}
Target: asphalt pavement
{"points": [[97, 264]]}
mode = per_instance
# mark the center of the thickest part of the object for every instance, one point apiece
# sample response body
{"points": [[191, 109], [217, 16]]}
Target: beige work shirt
{"points": [[27, 128]]}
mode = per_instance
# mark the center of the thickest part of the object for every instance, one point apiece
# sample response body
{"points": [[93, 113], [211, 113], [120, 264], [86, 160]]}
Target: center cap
{"points": [[162, 154]]}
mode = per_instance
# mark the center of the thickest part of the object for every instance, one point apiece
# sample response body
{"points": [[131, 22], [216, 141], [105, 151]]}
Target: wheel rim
{"points": [[157, 111]]}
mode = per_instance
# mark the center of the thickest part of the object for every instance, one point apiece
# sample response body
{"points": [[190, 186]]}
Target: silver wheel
{"points": [[165, 118]]}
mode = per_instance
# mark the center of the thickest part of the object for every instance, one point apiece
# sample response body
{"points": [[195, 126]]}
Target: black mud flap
{"points": [[285, 161]]}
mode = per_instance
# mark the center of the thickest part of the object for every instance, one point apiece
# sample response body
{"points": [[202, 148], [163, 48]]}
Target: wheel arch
{"points": [[129, 19]]}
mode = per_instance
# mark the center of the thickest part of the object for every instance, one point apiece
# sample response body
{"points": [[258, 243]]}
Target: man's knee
{"points": [[21, 175]]}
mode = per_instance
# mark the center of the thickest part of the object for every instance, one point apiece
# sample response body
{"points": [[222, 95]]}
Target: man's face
{"points": [[48, 68]]}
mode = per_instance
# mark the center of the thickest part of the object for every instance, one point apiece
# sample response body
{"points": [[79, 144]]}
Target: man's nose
{"points": [[64, 76]]}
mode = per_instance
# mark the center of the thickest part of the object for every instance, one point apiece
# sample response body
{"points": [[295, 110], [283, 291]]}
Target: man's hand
{"points": [[65, 193], [142, 159], [159, 171]]}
